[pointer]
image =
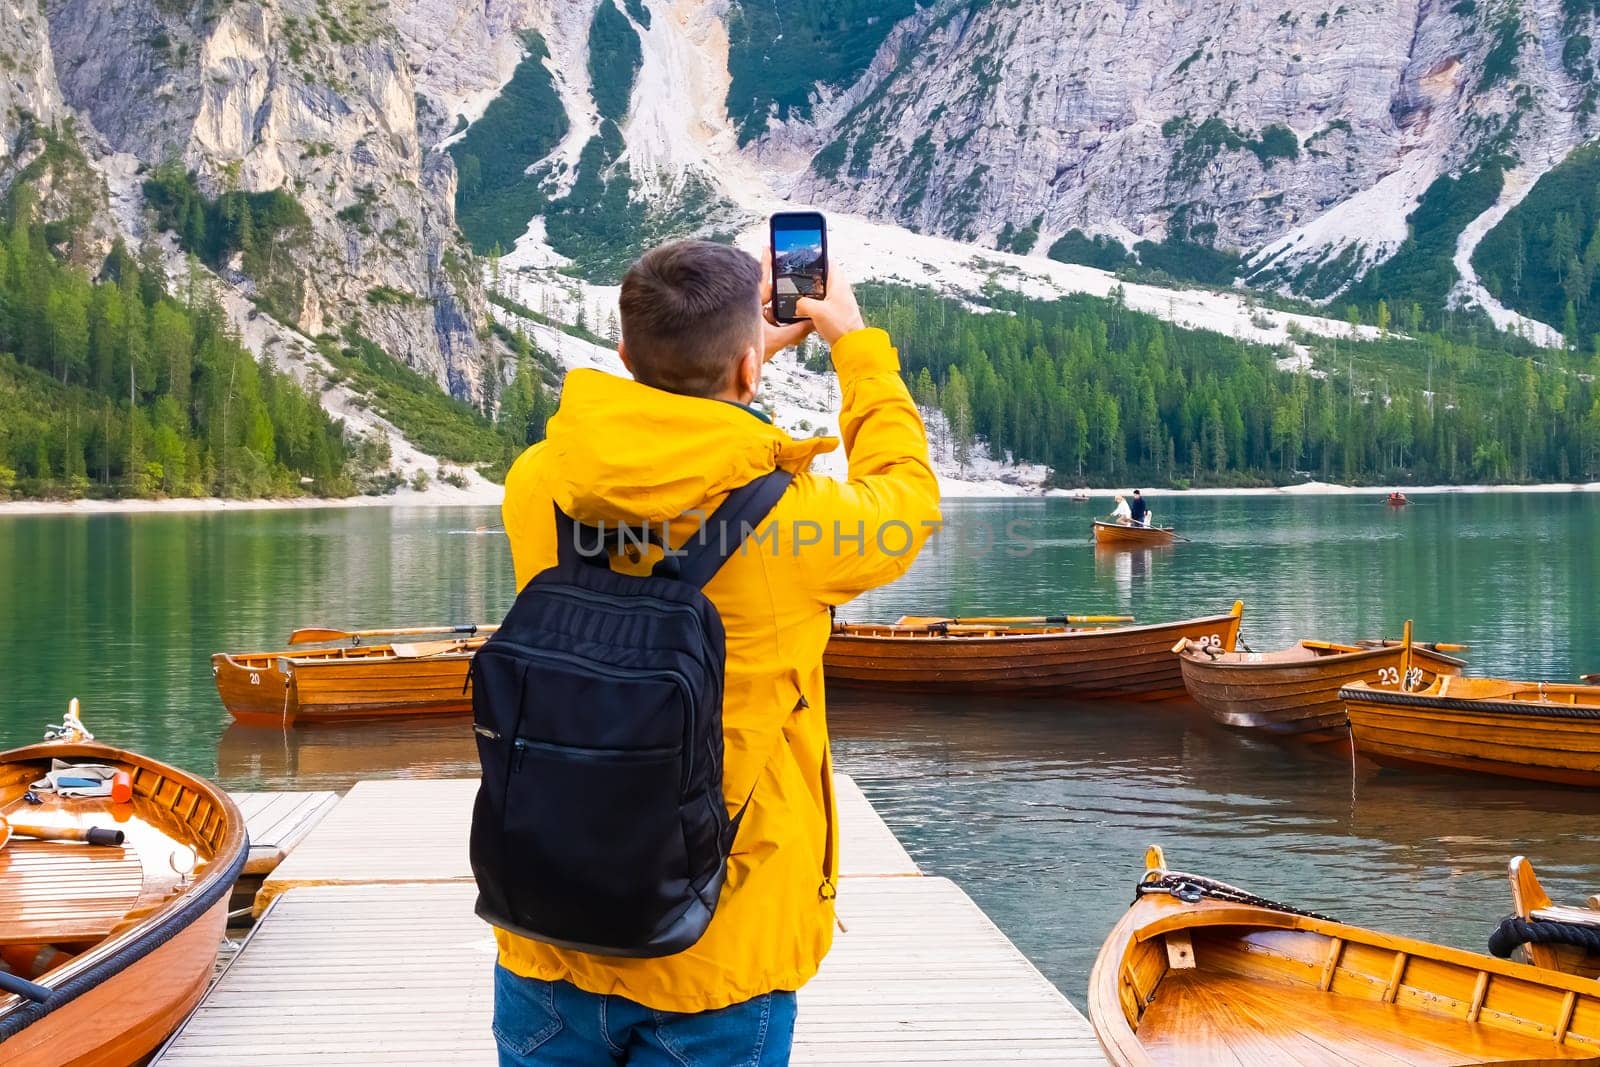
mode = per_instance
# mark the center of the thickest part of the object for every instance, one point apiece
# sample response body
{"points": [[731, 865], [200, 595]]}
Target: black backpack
{"points": [[600, 823]]}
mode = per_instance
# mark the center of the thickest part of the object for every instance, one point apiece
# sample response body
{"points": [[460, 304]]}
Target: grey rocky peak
{"points": [[315, 99]]}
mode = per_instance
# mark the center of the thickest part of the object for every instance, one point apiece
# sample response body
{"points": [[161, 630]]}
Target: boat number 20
{"points": [[255, 678], [1391, 676]]}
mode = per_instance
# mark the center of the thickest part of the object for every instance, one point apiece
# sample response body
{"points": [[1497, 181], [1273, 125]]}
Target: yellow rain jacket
{"points": [[621, 451]]}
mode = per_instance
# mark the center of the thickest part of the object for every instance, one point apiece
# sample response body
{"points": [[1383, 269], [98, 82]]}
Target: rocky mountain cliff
{"points": [[316, 98], [1298, 136], [1233, 123]]}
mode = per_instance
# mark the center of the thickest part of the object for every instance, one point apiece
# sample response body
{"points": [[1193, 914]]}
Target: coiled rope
{"points": [[1515, 931]]}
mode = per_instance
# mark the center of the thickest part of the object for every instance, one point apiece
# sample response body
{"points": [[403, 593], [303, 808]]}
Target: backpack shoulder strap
{"points": [[727, 527]]}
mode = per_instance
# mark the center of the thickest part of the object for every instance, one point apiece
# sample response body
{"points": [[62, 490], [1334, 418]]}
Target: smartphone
{"points": [[799, 261]]}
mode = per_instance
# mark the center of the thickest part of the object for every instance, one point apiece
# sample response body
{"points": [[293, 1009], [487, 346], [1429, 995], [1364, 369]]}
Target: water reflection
{"points": [[1125, 566], [338, 756], [1041, 810]]}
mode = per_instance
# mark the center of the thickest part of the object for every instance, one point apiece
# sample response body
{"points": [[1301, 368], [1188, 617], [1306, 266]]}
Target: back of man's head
{"points": [[690, 310]]}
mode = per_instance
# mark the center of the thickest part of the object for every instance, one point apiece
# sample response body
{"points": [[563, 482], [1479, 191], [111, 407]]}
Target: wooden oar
{"points": [[309, 634], [1389, 642], [1008, 620], [93, 835]]}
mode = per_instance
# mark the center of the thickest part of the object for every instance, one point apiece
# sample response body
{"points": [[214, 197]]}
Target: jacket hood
{"points": [[620, 451]]}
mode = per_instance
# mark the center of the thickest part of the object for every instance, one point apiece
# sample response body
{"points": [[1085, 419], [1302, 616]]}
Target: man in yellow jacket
{"points": [[668, 447]]}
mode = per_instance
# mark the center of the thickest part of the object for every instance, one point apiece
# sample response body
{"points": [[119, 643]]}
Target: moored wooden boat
{"points": [[1116, 535], [122, 938], [1122, 662], [1544, 731], [1550, 935], [1295, 690], [347, 682], [1198, 973]]}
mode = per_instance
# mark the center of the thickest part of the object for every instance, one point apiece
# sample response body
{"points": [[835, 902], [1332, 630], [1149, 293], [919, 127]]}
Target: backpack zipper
{"points": [[614, 671], [522, 745], [662, 607]]}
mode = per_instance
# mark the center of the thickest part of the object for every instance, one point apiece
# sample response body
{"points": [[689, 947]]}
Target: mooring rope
{"points": [[1515, 931]]}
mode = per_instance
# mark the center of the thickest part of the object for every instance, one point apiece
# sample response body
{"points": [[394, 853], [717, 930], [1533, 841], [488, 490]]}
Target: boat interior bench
{"points": [[1246, 1023], [58, 891]]}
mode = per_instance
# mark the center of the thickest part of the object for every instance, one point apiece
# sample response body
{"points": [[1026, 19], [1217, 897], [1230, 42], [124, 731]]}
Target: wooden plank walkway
{"points": [[369, 952], [401, 975], [415, 830], [278, 822]]}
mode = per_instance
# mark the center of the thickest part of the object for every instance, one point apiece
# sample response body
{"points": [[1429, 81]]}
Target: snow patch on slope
{"points": [[1469, 289], [1374, 218]]}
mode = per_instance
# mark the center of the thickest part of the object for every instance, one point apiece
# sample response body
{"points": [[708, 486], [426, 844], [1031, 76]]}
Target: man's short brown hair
{"points": [[690, 309]]}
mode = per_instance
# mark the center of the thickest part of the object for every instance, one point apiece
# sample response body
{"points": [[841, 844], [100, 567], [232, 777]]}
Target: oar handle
{"points": [[93, 835], [308, 634], [1022, 620], [10, 983]]}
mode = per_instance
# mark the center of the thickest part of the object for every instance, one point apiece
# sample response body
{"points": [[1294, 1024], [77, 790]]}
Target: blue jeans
{"points": [[556, 1024]]}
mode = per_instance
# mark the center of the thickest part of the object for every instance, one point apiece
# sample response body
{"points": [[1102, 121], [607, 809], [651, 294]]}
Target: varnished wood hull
{"points": [[146, 1002], [1514, 739], [1115, 535], [1256, 691], [1212, 983], [119, 998], [1127, 662], [274, 688]]}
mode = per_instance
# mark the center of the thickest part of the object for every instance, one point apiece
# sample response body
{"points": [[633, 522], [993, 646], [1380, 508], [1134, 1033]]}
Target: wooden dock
{"points": [[276, 822], [369, 952]]}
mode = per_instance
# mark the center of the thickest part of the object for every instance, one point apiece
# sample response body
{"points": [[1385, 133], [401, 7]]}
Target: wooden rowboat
{"points": [[1120, 662], [1538, 730], [1560, 938], [1295, 690], [121, 938], [349, 682], [1398, 500], [1198, 973], [1116, 535]]}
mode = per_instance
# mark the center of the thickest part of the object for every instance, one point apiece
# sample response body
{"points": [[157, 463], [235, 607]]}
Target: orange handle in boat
{"points": [[93, 835]]}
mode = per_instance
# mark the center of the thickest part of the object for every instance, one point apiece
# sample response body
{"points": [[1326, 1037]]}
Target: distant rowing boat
{"points": [[1117, 661], [1117, 535], [1544, 731], [1295, 690], [349, 682]]}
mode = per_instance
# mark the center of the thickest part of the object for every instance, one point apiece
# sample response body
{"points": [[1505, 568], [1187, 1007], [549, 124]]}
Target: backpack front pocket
{"points": [[593, 840]]}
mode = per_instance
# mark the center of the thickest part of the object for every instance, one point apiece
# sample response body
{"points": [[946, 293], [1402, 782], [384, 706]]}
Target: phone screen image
{"points": [[799, 261]]}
